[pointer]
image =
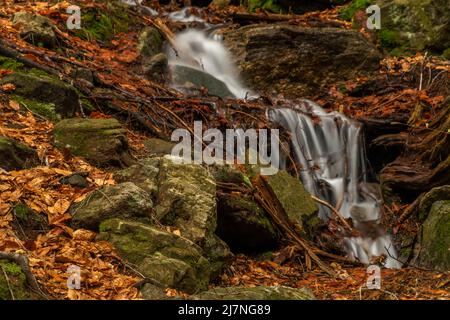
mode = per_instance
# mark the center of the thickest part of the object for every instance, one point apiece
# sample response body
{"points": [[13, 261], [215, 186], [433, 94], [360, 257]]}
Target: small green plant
{"points": [[253, 5]]}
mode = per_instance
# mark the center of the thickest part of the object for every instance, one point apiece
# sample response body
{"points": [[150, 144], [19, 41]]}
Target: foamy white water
{"points": [[207, 53]]}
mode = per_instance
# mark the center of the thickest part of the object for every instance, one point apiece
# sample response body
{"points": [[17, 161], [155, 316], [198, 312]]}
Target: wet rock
{"points": [[243, 225], [167, 258], [193, 80], [76, 180], [35, 29], [14, 287], [124, 200], [415, 24], [150, 42], [45, 89], [305, 59], [434, 238], [153, 292], [158, 147], [144, 174], [100, 141], [293, 197], [256, 293], [156, 68], [16, 156]]}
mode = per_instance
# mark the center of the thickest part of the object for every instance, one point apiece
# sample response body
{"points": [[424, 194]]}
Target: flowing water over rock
{"points": [[328, 146]]}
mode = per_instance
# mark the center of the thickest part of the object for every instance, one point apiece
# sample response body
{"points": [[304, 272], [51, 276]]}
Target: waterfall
{"points": [[327, 145]]}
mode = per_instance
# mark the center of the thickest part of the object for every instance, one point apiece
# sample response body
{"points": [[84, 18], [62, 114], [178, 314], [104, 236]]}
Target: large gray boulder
{"points": [[170, 260], [125, 200], [256, 293], [298, 61], [16, 156], [100, 141]]}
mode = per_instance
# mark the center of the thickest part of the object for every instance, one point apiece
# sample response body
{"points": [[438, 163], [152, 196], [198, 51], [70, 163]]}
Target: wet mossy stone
{"points": [[435, 194], [150, 42], [434, 238], [35, 29], [41, 109], [415, 25], [16, 156], [101, 141], [292, 196], [256, 293], [171, 260], [244, 225], [158, 147], [125, 200], [193, 80], [45, 89], [13, 286]]}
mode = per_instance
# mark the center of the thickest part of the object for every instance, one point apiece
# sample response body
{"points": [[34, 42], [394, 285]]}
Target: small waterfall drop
{"points": [[327, 145], [206, 53]]}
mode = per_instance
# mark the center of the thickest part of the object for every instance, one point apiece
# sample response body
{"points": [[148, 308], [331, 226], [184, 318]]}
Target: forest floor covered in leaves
{"points": [[105, 275]]}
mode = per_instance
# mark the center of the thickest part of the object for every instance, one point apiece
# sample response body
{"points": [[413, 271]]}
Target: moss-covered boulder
{"points": [[125, 200], [171, 260], [243, 224], [185, 198], [158, 147], [256, 293], [293, 197], [57, 96], [415, 24], [435, 194], [150, 42], [100, 141], [16, 156], [35, 29], [13, 284], [434, 238]]}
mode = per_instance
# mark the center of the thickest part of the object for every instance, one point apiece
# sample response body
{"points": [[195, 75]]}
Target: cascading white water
{"points": [[206, 53], [328, 146]]}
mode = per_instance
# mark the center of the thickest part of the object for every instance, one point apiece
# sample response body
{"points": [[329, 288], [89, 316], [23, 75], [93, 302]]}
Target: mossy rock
{"points": [[434, 238], [101, 141], [125, 200], [27, 223], [16, 156], [244, 225], [150, 42], [435, 194], [158, 147], [256, 293], [35, 29], [292, 196], [15, 286], [171, 260], [102, 24], [48, 96], [44, 110]]}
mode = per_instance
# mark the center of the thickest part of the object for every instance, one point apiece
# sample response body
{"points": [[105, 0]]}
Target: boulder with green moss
{"points": [[435, 194], [293, 197], [56, 97], [433, 247], [13, 284], [125, 200], [256, 293], [167, 258], [101, 141], [150, 42], [35, 29], [16, 156]]}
